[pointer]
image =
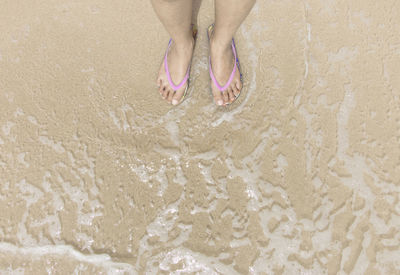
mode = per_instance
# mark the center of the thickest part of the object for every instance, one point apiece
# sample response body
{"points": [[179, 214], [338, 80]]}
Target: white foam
{"points": [[194, 263], [57, 146], [7, 127], [99, 260], [173, 130]]}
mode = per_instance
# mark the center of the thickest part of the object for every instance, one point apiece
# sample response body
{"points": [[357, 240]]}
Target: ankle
{"points": [[184, 43], [220, 46]]}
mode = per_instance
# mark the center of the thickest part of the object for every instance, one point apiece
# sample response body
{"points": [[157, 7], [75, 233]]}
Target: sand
{"points": [[98, 175]]}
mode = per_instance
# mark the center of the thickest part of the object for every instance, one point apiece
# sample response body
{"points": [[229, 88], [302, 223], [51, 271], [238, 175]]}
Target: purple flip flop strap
{"points": [[232, 74], [175, 87]]}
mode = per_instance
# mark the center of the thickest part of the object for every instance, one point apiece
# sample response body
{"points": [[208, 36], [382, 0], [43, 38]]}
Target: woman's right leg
{"points": [[176, 16]]}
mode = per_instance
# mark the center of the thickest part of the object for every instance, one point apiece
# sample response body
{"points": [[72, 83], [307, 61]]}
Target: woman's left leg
{"points": [[229, 15]]}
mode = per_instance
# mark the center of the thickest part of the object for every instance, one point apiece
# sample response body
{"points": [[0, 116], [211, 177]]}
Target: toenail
{"points": [[220, 102], [174, 102]]}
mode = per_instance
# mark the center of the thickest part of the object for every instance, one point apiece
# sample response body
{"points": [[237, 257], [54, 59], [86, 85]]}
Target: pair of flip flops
{"points": [[186, 78]]}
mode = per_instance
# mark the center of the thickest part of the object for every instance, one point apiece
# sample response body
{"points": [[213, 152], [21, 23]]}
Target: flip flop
{"points": [[186, 78], [236, 66]]}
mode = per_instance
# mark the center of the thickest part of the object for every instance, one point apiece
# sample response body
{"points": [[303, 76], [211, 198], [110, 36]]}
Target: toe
{"points": [[218, 98], [164, 92], [236, 91], [161, 90], [231, 95], [237, 88], [225, 96], [170, 95], [178, 96], [159, 82], [217, 95], [239, 85]]}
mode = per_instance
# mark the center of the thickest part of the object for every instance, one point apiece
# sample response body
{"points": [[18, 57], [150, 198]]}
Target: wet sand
{"points": [[100, 176]]}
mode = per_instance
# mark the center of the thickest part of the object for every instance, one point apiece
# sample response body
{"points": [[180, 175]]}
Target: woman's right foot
{"points": [[179, 58]]}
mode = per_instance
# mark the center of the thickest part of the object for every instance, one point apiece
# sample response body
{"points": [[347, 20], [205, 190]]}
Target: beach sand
{"points": [[99, 175]]}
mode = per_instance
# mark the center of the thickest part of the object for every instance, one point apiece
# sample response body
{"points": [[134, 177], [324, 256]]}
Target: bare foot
{"points": [[179, 57], [222, 63]]}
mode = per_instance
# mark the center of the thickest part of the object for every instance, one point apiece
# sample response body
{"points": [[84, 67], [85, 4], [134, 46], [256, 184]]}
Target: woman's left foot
{"points": [[222, 63]]}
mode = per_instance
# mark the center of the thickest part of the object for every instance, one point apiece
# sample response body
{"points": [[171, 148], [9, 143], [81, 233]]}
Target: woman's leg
{"points": [[176, 16], [229, 14], [195, 10]]}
